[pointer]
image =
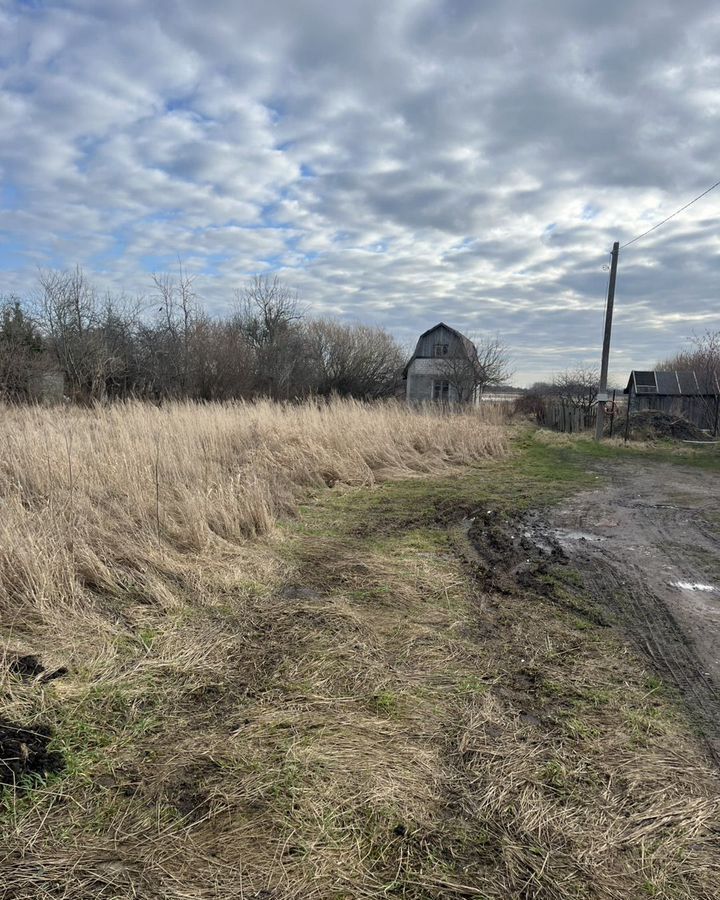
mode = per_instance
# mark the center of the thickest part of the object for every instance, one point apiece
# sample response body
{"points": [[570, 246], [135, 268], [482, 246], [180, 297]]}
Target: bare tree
{"points": [[93, 339], [268, 316], [222, 362], [578, 387], [702, 356], [494, 363], [471, 374], [463, 374], [358, 360], [117, 359], [68, 313], [176, 313]]}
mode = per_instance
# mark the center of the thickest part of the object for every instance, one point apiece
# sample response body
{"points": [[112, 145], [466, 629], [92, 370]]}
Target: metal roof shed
{"points": [[688, 394]]}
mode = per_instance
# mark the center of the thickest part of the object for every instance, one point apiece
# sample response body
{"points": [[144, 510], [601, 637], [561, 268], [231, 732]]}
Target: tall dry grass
{"points": [[93, 498]]}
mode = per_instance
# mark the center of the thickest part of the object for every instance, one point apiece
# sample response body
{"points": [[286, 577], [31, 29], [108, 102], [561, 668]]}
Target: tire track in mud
{"points": [[636, 546], [645, 618]]}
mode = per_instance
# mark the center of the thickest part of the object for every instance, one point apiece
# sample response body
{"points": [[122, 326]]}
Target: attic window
{"points": [[646, 383], [440, 350]]}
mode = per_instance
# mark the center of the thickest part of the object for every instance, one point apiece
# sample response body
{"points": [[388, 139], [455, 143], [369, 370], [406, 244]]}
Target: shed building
{"points": [[691, 395], [428, 376]]}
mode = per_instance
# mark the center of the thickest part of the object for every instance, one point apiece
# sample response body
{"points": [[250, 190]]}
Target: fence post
{"points": [[627, 419]]}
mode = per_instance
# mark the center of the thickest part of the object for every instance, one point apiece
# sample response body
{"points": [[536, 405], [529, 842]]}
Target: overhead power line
{"points": [[672, 216]]}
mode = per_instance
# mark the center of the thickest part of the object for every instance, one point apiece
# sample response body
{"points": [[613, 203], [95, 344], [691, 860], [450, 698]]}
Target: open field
{"points": [[302, 663]]}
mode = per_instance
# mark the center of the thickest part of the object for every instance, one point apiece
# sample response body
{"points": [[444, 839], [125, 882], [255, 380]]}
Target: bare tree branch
{"points": [[578, 387], [470, 374]]}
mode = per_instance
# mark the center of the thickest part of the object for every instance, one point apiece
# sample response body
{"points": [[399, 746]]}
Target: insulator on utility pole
{"points": [[602, 391]]}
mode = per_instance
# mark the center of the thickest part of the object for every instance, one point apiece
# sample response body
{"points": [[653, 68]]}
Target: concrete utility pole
{"points": [[602, 392]]}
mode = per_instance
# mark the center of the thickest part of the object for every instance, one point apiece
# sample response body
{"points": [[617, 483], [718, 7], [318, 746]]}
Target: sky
{"points": [[397, 162]]}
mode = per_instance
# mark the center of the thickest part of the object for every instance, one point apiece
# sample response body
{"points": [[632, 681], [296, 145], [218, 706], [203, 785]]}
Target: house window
{"points": [[440, 350], [441, 391]]}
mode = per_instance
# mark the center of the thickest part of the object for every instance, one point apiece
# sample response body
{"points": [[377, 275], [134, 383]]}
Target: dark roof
{"points": [[672, 384], [466, 343]]}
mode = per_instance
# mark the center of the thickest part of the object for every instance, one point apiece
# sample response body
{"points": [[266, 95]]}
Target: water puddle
{"points": [[693, 586], [563, 534]]}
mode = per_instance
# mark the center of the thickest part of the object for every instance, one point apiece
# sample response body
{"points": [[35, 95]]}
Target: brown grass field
{"points": [[283, 671]]}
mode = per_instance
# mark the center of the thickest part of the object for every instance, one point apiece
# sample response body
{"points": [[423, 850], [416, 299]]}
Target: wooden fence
{"points": [[562, 416]]}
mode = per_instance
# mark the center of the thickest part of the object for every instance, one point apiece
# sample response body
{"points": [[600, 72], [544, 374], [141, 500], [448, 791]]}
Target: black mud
{"points": [[29, 668], [26, 666], [24, 752]]}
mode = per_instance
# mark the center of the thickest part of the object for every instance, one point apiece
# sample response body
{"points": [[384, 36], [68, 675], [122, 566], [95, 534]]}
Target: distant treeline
{"points": [[107, 346], [701, 355]]}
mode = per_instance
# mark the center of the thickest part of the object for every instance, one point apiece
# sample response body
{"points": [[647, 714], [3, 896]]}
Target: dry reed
{"points": [[92, 497]]}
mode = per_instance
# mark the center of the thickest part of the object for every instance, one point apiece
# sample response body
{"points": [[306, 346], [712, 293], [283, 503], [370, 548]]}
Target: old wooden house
{"points": [[694, 396], [442, 368]]}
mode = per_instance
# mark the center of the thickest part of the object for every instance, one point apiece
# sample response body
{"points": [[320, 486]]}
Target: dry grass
{"points": [[328, 707], [130, 553], [107, 500]]}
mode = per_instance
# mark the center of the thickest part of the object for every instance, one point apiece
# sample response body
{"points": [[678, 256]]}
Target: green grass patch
{"points": [[385, 703], [538, 471]]}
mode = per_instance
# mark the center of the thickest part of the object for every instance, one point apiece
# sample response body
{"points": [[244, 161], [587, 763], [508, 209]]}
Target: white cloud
{"points": [[398, 162]]}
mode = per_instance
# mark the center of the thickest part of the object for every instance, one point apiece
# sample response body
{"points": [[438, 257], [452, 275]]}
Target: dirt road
{"points": [[648, 542]]}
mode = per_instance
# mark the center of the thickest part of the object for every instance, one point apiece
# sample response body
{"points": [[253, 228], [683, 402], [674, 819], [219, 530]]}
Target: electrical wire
{"points": [[672, 216]]}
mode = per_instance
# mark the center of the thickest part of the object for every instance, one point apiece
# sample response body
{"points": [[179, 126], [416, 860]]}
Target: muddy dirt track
{"points": [[647, 541]]}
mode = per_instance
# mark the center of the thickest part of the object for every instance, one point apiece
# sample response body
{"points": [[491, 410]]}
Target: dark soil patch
{"points": [[25, 666], [520, 554], [188, 789], [510, 554], [652, 424], [24, 752], [29, 667]]}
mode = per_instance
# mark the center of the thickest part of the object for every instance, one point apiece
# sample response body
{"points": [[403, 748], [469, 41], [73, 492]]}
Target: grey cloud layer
{"points": [[399, 162]]}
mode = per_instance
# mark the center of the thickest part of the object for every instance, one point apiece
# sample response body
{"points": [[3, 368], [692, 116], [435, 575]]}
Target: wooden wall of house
{"points": [[419, 385], [426, 344]]}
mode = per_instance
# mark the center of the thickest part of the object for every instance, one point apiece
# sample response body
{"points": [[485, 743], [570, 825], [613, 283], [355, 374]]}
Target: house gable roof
{"points": [[465, 343]]}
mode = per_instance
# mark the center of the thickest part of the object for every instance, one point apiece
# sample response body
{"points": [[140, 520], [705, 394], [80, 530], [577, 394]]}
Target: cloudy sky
{"points": [[397, 161]]}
